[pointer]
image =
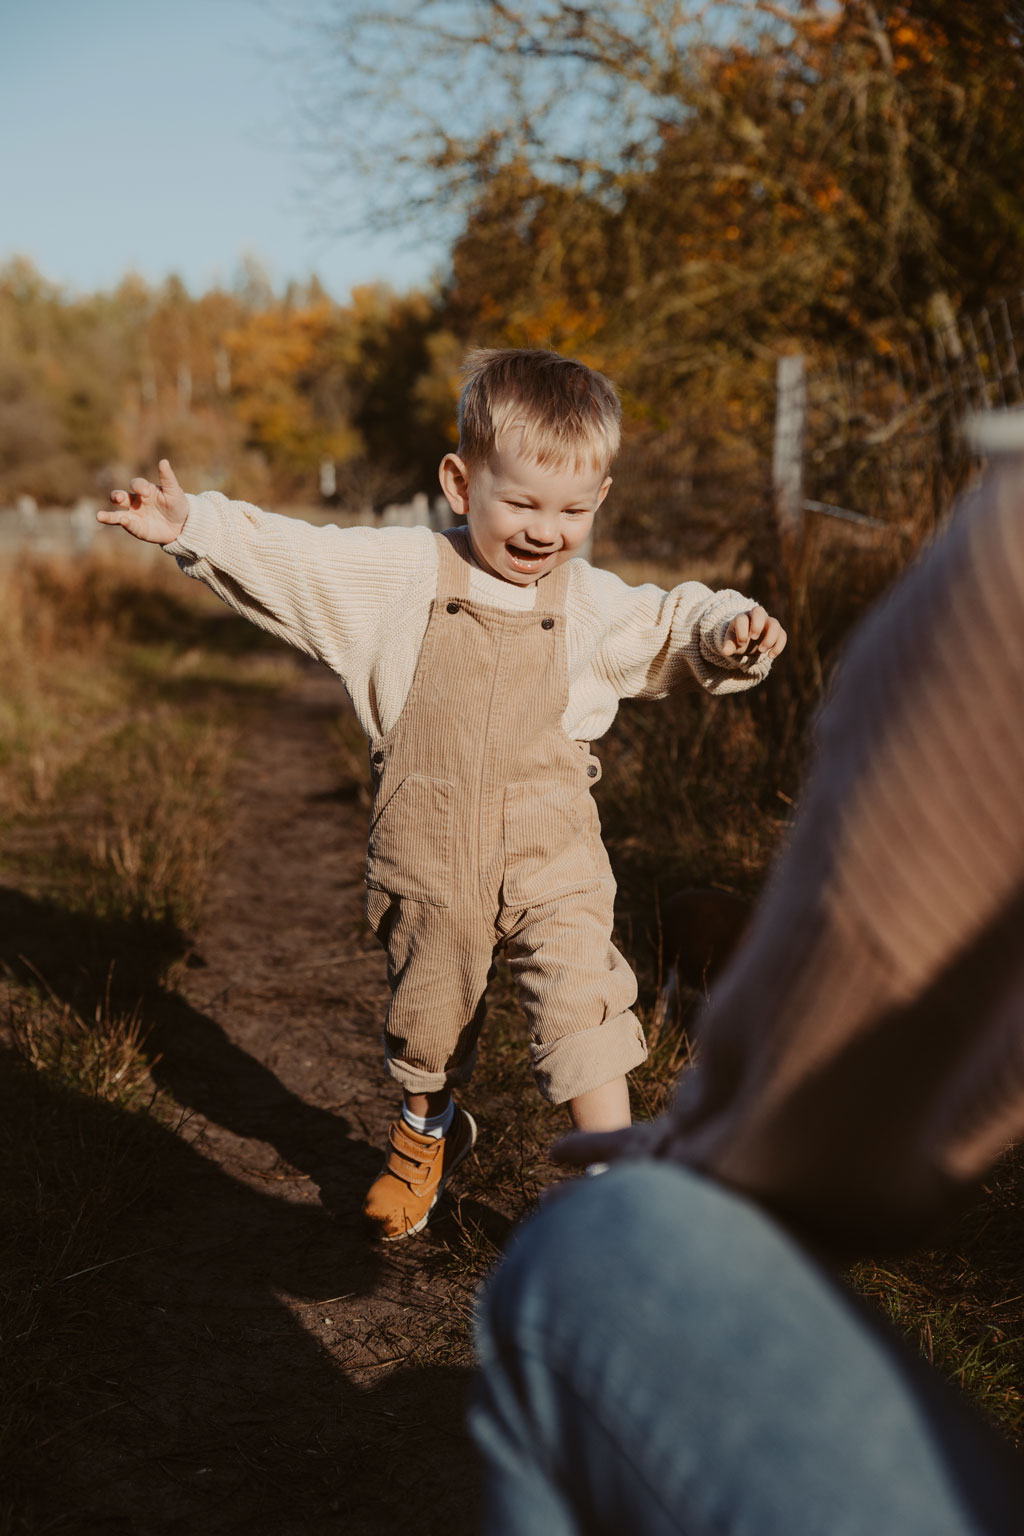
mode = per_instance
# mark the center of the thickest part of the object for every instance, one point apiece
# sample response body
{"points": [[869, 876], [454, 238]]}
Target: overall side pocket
{"points": [[547, 847], [410, 846]]}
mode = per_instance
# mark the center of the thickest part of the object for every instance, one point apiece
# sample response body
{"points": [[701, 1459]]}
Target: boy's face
{"points": [[524, 518]]}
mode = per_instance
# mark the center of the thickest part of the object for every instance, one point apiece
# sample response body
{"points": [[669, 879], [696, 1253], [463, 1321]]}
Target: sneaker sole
{"points": [[397, 1237]]}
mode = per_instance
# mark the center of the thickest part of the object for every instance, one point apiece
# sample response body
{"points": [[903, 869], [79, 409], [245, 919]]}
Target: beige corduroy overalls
{"points": [[485, 836]]}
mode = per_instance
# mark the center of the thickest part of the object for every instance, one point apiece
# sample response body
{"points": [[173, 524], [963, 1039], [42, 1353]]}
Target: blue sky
{"points": [[161, 136]]}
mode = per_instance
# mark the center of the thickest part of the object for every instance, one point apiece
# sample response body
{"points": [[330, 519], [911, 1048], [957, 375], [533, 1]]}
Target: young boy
{"points": [[481, 664]]}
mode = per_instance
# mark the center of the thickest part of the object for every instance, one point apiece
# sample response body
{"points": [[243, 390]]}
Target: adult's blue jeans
{"points": [[658, 1356]]}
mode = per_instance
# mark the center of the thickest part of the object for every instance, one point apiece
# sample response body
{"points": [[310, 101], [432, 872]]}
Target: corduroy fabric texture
{"points": [[484, 835], [863, 1057]]}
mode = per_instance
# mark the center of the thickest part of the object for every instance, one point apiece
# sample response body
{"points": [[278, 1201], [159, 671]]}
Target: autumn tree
{"points": [[58, 388], [678, 192], [809, 168]]}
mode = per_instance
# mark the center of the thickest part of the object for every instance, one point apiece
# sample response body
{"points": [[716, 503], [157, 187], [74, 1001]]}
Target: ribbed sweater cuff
{"points": [[198, 532]]}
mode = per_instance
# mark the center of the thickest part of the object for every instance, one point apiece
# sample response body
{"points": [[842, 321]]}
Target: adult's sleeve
{"points": [[862, 1059]]}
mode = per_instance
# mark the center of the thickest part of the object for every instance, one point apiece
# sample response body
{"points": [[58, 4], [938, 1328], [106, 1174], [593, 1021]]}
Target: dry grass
{"points": [[117, 719], [123, 689]]}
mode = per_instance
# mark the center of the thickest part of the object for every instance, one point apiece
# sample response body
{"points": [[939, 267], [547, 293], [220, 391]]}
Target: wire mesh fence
{"points": [[879, 441], [874, 443]]}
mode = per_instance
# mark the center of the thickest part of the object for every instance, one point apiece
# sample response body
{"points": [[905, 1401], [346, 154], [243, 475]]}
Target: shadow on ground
{"points": [[165, 1386]]}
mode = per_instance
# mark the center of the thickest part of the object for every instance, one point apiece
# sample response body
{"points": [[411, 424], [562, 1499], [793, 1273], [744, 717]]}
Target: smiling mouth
{"points": [[527, 558]]}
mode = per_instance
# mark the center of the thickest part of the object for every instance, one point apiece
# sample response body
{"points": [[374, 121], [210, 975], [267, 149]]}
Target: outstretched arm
{"points": [[156, 514], [654, 641], [334, 593]]}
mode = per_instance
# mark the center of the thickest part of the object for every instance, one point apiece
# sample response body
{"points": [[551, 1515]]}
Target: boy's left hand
{"points": [[754, 633]]}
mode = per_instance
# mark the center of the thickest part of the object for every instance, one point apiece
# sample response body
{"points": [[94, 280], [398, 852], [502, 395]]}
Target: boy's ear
{"points": [[605, 488], [454, 479]]}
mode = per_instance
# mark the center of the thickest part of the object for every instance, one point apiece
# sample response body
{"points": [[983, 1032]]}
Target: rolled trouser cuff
{"points": [[419, 1080], [588, 1058]]}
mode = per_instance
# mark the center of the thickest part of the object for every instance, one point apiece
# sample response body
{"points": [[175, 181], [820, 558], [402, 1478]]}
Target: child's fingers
{"points": [[753, 631], [744, 631], [736, 635], [140, 490], [121, 503], [773, 641], [757, 622], [765, 641], [168, 479], [120, 517]]}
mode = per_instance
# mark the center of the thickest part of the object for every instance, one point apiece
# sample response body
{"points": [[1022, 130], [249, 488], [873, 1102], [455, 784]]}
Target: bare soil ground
{"points": [[252, 1363]]}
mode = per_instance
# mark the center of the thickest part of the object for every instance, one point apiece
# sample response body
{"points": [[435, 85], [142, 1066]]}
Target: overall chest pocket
{"points": [[548, 837], [410, 847]]}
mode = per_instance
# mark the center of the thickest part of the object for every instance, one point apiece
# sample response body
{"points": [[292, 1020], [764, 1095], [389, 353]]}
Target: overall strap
{"points": [[551, 590]]}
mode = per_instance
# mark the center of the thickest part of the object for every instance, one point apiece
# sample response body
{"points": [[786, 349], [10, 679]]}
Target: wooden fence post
{"points": [[788, 454]]}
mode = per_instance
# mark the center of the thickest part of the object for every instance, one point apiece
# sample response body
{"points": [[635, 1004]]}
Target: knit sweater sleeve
{"points": [[334, 593], [648, 641]]}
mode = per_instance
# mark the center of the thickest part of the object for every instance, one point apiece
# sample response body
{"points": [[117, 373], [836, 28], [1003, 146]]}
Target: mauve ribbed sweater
{"points": [[863, 1056]]}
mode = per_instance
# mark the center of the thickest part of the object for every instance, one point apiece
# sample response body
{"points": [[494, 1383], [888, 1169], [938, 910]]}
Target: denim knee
{"points": [[660, 1356]]}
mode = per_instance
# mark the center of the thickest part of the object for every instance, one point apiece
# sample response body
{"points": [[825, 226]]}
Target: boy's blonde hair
{"points": [[568, 413]]}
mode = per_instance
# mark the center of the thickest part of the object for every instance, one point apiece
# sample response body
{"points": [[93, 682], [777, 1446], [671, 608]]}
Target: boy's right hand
{"points": [[154, 513]]}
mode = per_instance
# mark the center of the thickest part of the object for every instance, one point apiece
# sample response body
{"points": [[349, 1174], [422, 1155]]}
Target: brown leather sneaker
{"points": [[401, 1198]]}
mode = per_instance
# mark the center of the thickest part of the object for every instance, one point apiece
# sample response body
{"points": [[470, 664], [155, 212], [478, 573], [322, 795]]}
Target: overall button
{"points": [[592, 770], [453, 607], [547, 623], [378, 758]]}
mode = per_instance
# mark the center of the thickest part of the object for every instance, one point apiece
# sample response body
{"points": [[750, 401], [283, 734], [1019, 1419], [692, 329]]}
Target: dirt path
{"points": [[268, 1370]]}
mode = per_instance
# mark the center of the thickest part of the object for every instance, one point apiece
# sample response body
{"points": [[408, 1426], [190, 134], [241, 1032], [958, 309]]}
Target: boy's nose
{"points": [[542, 534]]}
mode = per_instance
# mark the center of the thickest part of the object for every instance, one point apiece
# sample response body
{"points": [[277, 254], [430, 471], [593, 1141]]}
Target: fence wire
{"points": [[882, 439]]}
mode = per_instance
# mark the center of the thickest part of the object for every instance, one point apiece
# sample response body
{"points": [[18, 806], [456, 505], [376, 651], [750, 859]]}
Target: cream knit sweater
{"points": [[359, 599]]}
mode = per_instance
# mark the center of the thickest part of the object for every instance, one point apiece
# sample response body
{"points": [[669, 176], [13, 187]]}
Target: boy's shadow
{"points": [[169, 1387], [85, 960]]}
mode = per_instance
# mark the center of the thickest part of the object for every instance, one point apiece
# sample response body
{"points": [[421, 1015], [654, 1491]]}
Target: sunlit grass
{"points": [[123, 692]]}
